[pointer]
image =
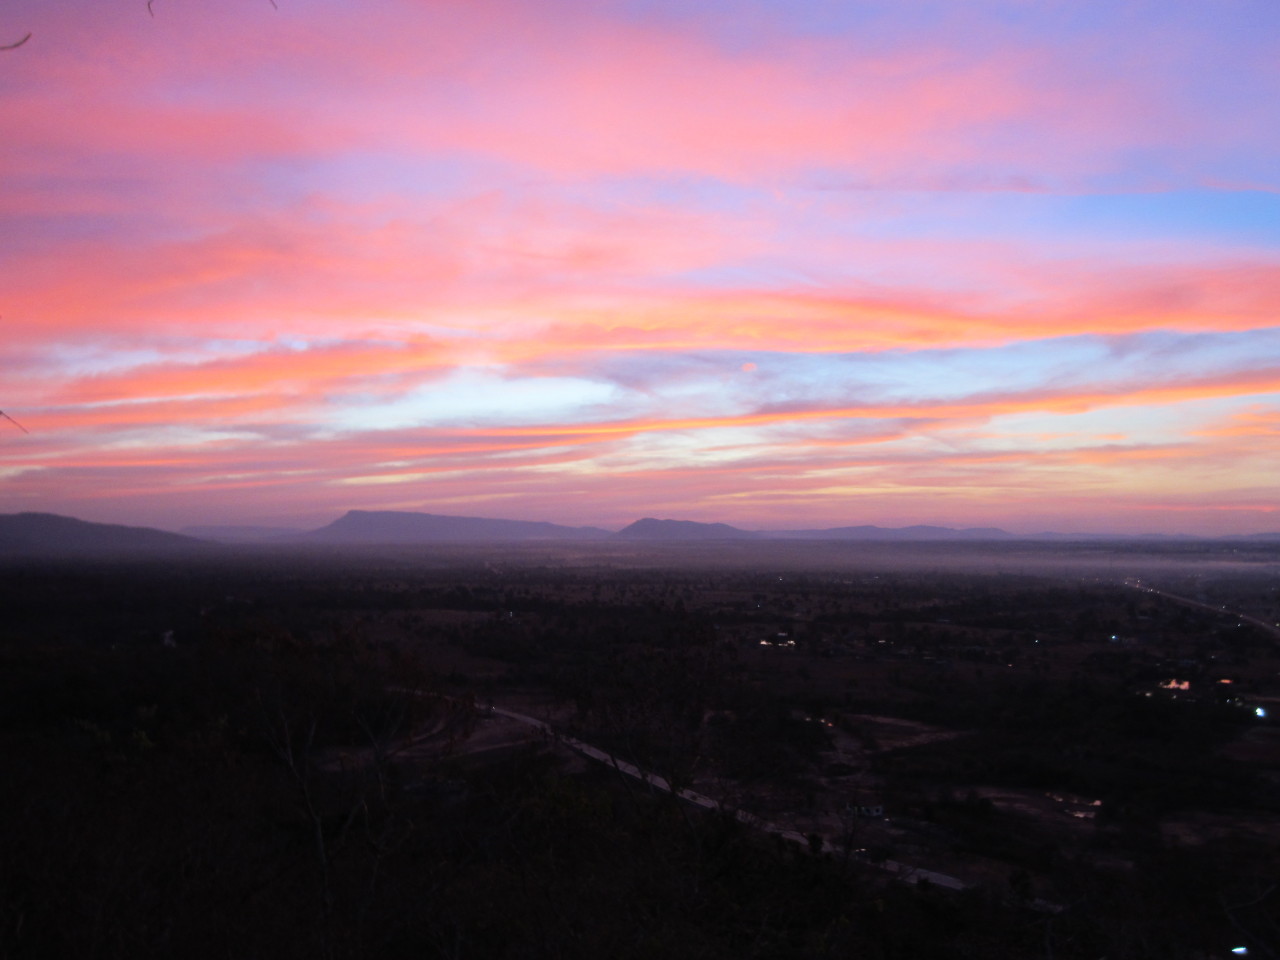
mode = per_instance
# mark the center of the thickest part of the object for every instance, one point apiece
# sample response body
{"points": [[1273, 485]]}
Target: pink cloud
{"points": [[579, 94], [410, 188]]}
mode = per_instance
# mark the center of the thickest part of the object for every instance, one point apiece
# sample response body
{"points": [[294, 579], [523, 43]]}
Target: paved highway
{"points": [[1270, 628], [903, 871]]}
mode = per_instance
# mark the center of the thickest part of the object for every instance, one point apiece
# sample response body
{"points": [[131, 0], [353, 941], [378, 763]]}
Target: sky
{"points": [[774, 263]]}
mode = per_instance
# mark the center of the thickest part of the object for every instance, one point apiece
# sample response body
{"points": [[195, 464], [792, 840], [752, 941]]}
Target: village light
{"points": [[1260, 711], [1240, 951]]}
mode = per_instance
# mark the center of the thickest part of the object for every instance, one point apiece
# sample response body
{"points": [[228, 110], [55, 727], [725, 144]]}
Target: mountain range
{"points": [[47, 534]]}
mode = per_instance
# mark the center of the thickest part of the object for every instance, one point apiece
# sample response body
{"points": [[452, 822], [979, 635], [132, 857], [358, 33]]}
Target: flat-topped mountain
{"points": [[51, 535], [653, 529], [402, 527]]}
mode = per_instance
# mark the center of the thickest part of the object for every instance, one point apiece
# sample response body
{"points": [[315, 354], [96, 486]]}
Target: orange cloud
{"points": [[975, 408], [1257, 421], [289, 373], [553, 191]]}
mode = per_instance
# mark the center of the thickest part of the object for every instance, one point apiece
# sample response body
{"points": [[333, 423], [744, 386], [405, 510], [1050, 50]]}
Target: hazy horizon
{"points": [[200, 530], [775, 265]]}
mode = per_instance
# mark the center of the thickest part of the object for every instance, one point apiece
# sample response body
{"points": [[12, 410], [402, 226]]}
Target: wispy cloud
{"points": [[760, 262]]}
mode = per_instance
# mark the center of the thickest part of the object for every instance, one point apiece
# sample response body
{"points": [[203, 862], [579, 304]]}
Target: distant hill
{"points": [[399, 527], [241, 534], [652, 529], [51, 535], [868, 532]]}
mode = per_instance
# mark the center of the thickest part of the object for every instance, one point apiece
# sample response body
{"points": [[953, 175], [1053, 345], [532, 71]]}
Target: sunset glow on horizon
{"points": [[773, 264]]}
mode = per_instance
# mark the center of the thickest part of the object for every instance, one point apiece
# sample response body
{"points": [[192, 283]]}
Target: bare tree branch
{"points": [[2, 413], [15, 46]]}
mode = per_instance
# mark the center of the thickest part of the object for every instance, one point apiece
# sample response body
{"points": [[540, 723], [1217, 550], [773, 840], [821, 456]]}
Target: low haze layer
{"points": [[775, 265]]}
